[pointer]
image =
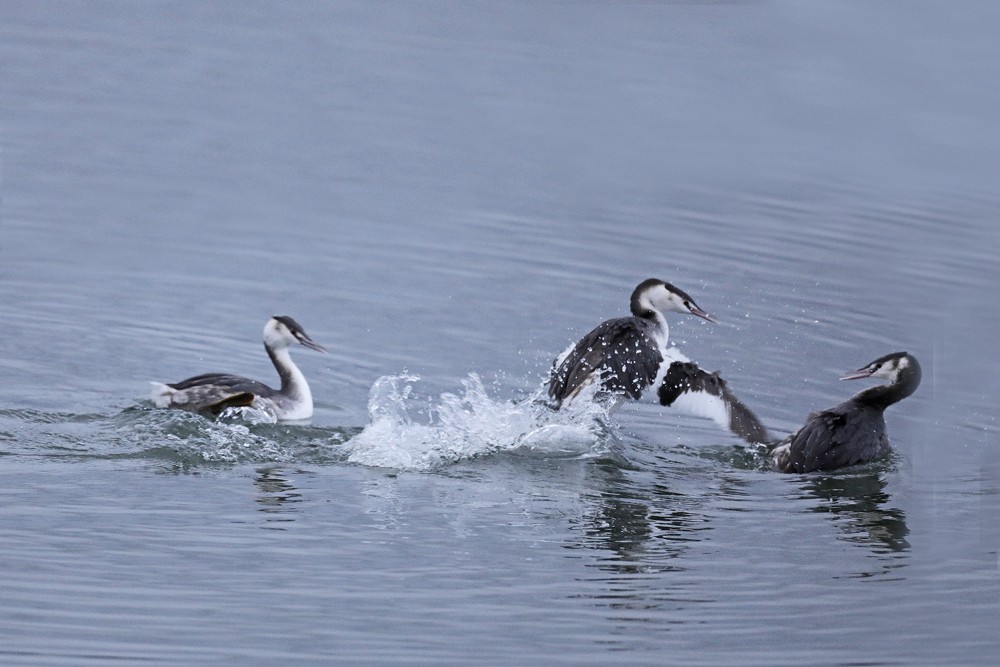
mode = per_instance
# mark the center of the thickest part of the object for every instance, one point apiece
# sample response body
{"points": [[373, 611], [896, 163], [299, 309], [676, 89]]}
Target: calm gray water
{"points": [[445, 195]]}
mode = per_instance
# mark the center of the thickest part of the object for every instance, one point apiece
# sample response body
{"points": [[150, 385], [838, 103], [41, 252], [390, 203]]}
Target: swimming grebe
{"points": [[213, 392], [628, 355], [854, 431]]}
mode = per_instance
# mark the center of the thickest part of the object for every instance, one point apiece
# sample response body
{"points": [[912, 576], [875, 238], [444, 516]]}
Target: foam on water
{"points": [[458, 427], [256, 413], [194, 438], [138, 431]]}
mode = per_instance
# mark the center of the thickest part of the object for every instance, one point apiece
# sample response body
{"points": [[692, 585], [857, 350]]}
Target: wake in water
{"points": [[191, 438], [457, 427], [405, 431]]}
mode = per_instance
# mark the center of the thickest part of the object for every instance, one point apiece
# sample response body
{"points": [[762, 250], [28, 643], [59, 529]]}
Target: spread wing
{"points": [[620, 354], [690, 389], [831, 439]]}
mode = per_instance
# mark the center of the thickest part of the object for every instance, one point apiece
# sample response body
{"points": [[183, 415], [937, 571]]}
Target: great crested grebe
{"points": [[854, 431], [627, 355], [212, 392]]}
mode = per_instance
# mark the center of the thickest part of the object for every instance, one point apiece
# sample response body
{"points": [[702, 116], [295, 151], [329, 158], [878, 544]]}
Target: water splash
{"points": [[410, 434], [257, 412], [405, 431], [194, 439]]}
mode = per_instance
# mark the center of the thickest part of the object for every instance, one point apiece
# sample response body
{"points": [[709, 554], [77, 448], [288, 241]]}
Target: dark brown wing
{"points": [[233, 383]]}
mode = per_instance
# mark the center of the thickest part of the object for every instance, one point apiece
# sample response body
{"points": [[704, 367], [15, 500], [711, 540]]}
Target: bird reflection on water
{"points": [[643, 529], [857, 495], [277, 494], [859, 502]]}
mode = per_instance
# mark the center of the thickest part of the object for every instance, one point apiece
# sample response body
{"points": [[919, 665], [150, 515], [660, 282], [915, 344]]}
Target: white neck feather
{"points": [[663, 335], [293, 385]]}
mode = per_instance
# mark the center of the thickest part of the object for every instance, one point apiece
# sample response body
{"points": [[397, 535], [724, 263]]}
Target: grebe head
{"points": [[654, 295], [888, 367], [281, 331]]}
